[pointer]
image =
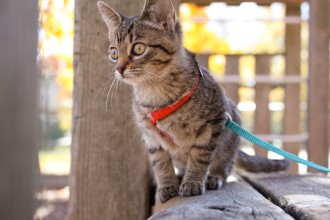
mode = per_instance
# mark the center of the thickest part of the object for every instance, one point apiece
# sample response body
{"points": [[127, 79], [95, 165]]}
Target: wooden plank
{"points": [[262, 90], [303, 197], [290, 138], [236, 200], [262, 79], [18, 108], [108, 177], [243, 54], [318, 92], [286, 20], [292, 91], [49, 181], [238, 2], [232, 69]]}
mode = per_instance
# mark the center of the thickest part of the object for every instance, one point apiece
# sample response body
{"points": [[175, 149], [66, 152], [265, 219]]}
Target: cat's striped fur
{"points": [[203, 150]]}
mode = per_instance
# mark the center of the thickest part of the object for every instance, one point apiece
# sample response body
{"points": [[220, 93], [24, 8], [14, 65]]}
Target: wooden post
{"points": [[19, 108], [262, 114], [232, 68], [108, 179], [318, 95], [292, 91]]}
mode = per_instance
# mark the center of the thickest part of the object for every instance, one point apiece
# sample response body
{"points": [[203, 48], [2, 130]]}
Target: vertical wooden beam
{"points": [[292, 91], [262, 114], [19, 108], [232, 69], [318, 95], [108, 178]]}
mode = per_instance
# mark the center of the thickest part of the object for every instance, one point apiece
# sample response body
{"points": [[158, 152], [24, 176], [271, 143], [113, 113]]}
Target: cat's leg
{"points": [[167, 182], [219, 170], [198, 162], [222, 162]]}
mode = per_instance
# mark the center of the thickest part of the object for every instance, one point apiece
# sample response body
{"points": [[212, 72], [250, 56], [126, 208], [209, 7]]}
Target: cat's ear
{"points": [[111, 18], [160, 14]]}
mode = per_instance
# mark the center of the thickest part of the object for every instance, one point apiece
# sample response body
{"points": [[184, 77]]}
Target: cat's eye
{"points": [[138, 49], [113, 53]]}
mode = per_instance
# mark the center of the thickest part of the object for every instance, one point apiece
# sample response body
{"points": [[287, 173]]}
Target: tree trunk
{"points": [[109, 166], [18, 108]]}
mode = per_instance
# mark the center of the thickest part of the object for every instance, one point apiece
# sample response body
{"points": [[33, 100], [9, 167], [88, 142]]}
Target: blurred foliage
{"points": [[247, 30], [56, 161], [217, 29], [212, 29], [55, 58]]}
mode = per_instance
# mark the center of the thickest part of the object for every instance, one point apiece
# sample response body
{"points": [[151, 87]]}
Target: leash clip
{"points": [[200, 71], [229, 118]]}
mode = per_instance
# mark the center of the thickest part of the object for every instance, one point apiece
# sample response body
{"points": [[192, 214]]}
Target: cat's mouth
{"points": [[128, 75]]}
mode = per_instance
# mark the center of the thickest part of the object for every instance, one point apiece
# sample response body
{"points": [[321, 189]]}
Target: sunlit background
{"points": [[216, 29], [56, 82]]}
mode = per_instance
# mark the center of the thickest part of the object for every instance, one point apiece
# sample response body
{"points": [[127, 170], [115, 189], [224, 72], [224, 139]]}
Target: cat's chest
{"points": [[180, 131], [168, 127]]}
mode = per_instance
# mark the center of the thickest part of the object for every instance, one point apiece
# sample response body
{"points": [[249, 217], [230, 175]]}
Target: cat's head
{"points": [[142, 47]]}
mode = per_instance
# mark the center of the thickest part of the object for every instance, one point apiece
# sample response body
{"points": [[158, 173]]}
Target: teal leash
{"points": [[252, 138]]}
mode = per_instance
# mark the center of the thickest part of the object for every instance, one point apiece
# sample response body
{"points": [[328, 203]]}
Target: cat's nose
{"points": [[121, 69]]}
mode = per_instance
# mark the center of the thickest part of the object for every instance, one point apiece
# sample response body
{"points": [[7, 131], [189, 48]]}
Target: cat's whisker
{"points": [[144, 81], [106, 101], [100, 89], [116, 89], [151, 81], [154, 75], [104, 87]]}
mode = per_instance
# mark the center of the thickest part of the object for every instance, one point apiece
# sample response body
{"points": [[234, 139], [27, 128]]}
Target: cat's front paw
{"points": [[213, 182], [192, 188], [167, 192]]}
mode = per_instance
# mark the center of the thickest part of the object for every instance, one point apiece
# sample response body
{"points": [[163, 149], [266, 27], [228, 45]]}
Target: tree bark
{"points": [[18, 108], [109, 167], [318, 82]]}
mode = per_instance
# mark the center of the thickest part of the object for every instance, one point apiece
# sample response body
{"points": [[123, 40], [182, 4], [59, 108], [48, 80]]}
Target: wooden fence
{"points": [[316, 137], [263, 84]]}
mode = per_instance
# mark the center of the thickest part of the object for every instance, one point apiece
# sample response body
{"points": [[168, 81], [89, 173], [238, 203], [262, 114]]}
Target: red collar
{"points": [[163, 112]]}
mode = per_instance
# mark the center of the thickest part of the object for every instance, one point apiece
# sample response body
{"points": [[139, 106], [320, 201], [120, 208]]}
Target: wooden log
{"points": [[318, 92], [232, 69], [292, 91], [108, 177], [303, 197], [236, 200], [19, 108], [262, 113]]}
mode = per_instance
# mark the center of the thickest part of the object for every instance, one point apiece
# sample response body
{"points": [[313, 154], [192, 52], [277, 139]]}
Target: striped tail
{"points": [[260, 164]]}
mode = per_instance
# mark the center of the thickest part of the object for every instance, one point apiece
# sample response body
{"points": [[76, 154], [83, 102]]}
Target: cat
{"points": [[190, 134]]}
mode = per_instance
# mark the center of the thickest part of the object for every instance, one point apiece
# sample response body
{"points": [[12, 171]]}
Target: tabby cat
{"points": [[148, 54]]}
